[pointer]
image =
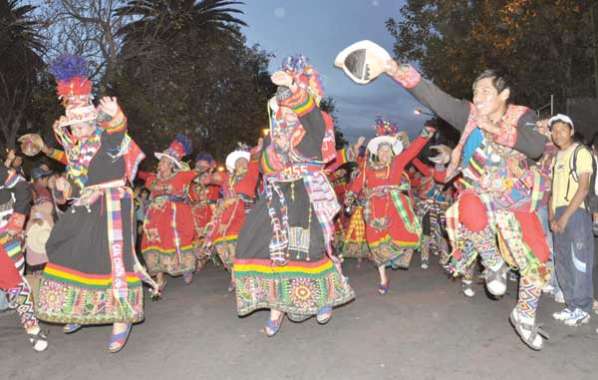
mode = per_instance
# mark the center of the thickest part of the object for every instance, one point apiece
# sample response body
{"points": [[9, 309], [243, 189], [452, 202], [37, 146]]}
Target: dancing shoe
{"points": [[39, 340], [530, 333], [424, 264], [188, 277], [70, 328], [496, 281], [273, 326], [467, 289], [324, 315], [118, 341], [383, 288]]}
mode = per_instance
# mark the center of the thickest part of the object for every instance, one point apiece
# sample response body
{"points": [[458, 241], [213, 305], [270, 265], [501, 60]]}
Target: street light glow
{"points": [[419, 111]]}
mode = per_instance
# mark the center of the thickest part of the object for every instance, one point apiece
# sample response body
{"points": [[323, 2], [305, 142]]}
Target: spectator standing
{"points": [[571, 222]]}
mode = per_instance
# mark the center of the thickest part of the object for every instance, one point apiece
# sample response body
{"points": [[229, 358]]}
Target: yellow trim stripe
{"points": [[86, 280], [281, 269]]}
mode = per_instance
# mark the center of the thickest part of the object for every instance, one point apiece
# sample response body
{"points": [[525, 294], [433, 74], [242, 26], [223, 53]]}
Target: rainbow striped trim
{"points": [[11, 246], [117, 124], [301, 102], [265, 267], [399, 243], [226, 239], [163, 251], [85, 280], [58, 155], [267, 167]]}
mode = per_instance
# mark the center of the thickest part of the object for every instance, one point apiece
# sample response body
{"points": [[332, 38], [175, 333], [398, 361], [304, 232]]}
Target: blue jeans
{"points": [[543, 216], [575, 260], [3, 301]]}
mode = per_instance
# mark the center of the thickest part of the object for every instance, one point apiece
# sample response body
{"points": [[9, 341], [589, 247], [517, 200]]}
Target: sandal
{"points": [[70, 328], [324, 315], [157, 295], [272, 327], [118, 341], [39, 341], [383, 288], [534, 331]]}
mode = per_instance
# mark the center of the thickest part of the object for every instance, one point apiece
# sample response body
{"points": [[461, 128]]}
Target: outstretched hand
{"points": [[108, 105], [282, 78]]}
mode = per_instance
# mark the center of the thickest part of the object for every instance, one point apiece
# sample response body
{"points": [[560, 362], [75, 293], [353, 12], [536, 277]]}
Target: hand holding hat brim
{"points": [[443, 156], [363, 61]]}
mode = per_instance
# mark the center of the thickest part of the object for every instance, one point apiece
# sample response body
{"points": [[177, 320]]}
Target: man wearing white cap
{"points": [[571, 222]]}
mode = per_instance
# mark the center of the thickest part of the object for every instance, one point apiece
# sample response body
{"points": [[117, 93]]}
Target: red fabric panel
{"points": [[472, 212], [533, 234], [9, 275]]}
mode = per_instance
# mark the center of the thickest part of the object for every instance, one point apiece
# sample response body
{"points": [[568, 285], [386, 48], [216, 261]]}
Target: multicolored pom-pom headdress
{"points": [[305, 75], [386, 133], [179, 148], [74, 89]]}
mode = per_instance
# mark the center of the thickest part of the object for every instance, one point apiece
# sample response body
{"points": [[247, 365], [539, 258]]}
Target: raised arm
{"points": [[401, 160], [454, 111]]}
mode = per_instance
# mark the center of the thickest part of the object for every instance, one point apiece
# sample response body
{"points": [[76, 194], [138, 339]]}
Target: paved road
{"points": [[423, 329]]}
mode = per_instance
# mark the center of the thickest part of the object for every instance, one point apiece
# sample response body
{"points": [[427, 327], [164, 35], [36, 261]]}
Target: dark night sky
{"points": [[319, 29]]}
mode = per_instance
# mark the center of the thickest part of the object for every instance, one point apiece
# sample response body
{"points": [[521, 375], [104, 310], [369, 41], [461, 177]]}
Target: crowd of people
{"points": [[514, 197]]}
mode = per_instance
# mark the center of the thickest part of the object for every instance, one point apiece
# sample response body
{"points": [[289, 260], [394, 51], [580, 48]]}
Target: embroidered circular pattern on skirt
{"points": [[304, 293]]}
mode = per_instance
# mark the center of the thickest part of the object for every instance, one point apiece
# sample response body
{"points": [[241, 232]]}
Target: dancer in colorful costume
{"points": [[392, 230], [93, 276], [284, 256], [15, 197], [238, 195], [431, 206], [201, 198], [493, 156], [168, 231]]}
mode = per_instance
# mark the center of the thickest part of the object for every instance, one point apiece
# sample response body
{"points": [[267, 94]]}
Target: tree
{"points": [[542, 46], [21, 47], [208, 85], [328, 105]]}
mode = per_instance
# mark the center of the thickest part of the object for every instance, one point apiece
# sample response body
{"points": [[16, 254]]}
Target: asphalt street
{"points": [[424, 328]]}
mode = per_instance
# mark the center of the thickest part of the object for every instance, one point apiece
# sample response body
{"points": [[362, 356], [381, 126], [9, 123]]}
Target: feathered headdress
{"points": [[179, 148], [71, 74], [300, 68], [386, 133], [385, 128]]}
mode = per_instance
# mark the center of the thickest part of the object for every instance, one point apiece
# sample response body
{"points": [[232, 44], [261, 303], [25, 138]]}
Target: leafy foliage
{"points": [[543, 46]]}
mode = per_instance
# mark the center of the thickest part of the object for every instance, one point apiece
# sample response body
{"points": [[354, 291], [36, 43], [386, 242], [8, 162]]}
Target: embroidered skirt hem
{"points": [[300, 288]]}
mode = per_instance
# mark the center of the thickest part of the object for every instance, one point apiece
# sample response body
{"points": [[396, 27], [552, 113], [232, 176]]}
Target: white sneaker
{"points": [[577, 318], [496, 281], [424, 265], [559, 297], [549, 289], [562, 315], [467, 289]]}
